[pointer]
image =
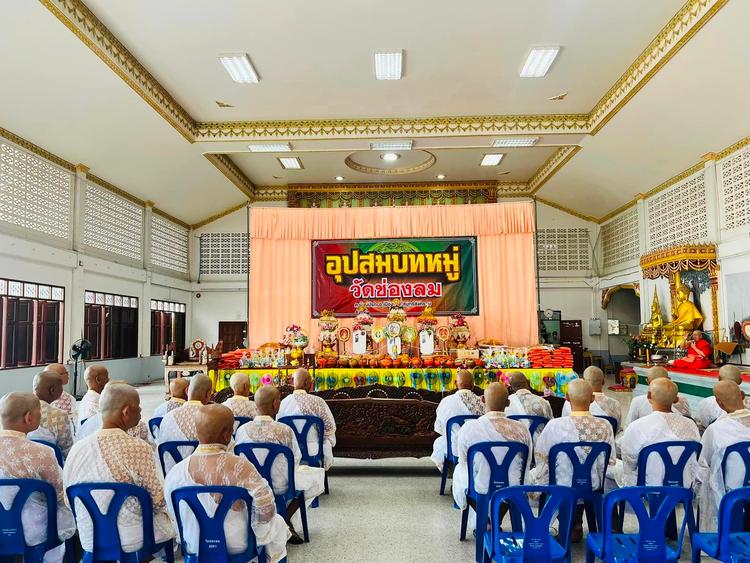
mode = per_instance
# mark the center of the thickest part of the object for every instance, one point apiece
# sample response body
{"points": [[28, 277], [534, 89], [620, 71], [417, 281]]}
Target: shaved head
{"points": [[302, 379], [729, 396], [240, 384], [60, 370], [267, 400], [518, 381], [580, 395], [120, 406], [215, 424], [464, 379], [200, 388], [178, 388], [595, 376], [496, 397], [656, 372], [20, 412], [48, 386], [730, 373], [96, 377], [662, 393]]}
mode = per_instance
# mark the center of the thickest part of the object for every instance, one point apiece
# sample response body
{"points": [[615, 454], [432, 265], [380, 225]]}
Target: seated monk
{"points": [[699, 353], [180, 424], [240, 403], [177, 396]]}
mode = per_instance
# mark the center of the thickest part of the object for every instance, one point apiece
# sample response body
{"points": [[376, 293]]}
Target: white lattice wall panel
{"points": [[734, 189], [169, 244], [34, 194], [113, 223], [678, 215], [224, 253], [620, 241], [563, 249]]}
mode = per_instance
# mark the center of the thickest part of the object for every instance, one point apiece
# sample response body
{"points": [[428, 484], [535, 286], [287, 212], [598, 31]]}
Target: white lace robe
{"points": [[462, 402], [67, 403], [94, 423], [20, 458], [710, 484], [111, 456], [180, 424], [492, 427], [266, 429], [213, 465], [241, 406], [54, 427], [602, 405], [640, 407], [708, 410], [301, 403], [168, 406], [88, 406], [524, 402]]}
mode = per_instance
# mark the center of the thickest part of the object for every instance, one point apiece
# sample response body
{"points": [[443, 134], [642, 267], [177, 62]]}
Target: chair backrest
{"points": [[730, 515], [559, 502], [239, 421], [533, 422], [302, 425], [652, 507], [581, 480], [673, 471], [251, 450], [106, 543], [55, 448], [172, 449], [612, 421], [499, 471], [11, 527], [212, 542], [153, 426], [455, 421], [742, 449]]}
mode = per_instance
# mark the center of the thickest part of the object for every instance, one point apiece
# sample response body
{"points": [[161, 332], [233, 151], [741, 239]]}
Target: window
{"points": [[30, 323], [167, 326], [111, 325]]}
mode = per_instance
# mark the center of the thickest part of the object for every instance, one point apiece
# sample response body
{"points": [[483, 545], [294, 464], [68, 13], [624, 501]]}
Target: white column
{"points": [[147, 215], [711, 184], [79, 205], [647, 288], [145, 312]]}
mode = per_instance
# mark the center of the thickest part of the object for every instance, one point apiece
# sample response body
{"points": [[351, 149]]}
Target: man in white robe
{"points": [[177, 396], [264, 429], [54, 425], [640, 406], [180, 423], [580, 426], [240, 403], [662, 425], [462, 402], [20, 458], [112, 456], [96, 378], [523, 401], [732, 427], [211, 464], [301, 402], [602, 405], [66, 402], [708, 409], [493, 426]]}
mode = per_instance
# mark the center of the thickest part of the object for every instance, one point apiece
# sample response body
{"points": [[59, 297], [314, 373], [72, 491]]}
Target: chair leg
{"points": [[169, 551], [464, 522], [303, 516], [696, 555], [591, 516], [590, 558], [325, 483], [481, 510], [443, 477]]}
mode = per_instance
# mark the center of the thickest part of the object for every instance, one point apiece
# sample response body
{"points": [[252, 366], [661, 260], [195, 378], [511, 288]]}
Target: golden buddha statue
{"points": [[652, 330], [686, 315]]}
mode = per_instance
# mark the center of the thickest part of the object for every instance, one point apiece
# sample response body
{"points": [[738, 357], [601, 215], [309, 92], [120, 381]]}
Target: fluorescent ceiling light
{"points": [[391, 145], [388, 64], [390, 156], [339, 178], [539, 60], [270, 147], [491, 159], [441, 176], [290, 163], [239, 67], [515, 142]]}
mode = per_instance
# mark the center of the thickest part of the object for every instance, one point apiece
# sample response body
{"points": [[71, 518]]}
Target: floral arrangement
{"points": [[457, 320], [294, 336], [427, 319], [363, 320]]}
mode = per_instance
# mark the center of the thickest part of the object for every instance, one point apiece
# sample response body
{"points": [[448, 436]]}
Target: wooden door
{"points": [[232, 333]]}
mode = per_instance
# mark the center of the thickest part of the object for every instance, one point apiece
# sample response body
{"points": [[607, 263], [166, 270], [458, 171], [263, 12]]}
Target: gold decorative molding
{"points": [[270, 193], [393, 187], [226, 166], [424, 165], [36, 149], [114, 189], [81, 168], [667, 261], [565, 209], [551, 166], [172, 218], [512, 188], [221, 214], [610, 291], [741, 144], [615, 212]]}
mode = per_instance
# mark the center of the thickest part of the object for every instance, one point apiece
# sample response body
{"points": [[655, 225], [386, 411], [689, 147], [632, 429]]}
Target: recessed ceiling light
{"points": [[539, 60], [491, 159], [391, 145], [441, 176], [388, 64], [239, 67], [270, 147], [339, 178], [515, 142], [290, 163], [390, 156]]}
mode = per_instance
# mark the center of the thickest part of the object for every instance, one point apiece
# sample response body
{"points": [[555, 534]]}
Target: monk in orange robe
{"points": [[699, 353]]}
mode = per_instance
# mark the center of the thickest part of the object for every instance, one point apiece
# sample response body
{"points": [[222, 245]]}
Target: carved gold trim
{"points": [[221, 214], [666, 261], [424, 165], [611, 214], [512, 188], [172, 218], [610, 291], [551, 166], [392, 187], [565, 209], [36, 149], [81, 168], [741, 144], [226, 166], [114, 189], [270, 193]]}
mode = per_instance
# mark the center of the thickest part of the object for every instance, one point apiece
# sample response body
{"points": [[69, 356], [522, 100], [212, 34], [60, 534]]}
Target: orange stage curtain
{"points": [[281, 262]]}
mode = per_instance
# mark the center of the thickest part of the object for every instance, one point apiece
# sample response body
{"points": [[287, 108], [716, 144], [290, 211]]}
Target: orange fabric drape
{"points": [[281, 261]]}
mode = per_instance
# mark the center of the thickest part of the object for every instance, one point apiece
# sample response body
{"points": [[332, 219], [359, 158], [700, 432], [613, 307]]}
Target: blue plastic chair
{"points": [[11, 527], [581, 481], [649, 545], [172, 449], [612, 420], [249, 450], [55, 448], [308, 423], [731, 542], [239, 421], [153, 426], [533, 423], [451, 459], [212, 543], [742, 449], [106, 544], [533, 543], [499, 478]]}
